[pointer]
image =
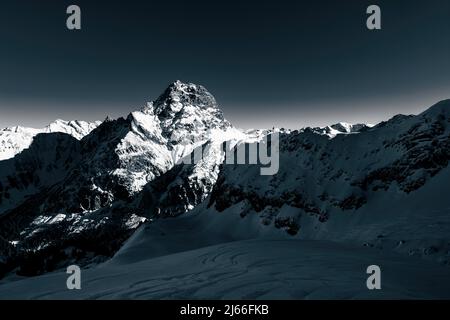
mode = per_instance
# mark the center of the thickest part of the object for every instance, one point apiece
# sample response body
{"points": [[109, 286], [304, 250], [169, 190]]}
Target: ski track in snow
{"points": [[252, 269]]}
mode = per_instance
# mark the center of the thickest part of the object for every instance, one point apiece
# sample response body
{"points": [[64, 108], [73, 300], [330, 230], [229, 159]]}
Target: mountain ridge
{"points": [[14, 140], [127, 172]]}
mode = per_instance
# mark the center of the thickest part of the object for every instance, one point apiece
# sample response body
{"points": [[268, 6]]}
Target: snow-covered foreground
{"points": [[249, 269], [222, 255]]}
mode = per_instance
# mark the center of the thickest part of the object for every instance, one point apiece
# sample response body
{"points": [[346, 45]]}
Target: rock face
{"points": [[66, 200]]}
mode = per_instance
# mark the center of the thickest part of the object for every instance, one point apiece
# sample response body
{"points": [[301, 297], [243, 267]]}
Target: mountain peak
{"points": [[344, 127], [179, 95], [442, 107], [185, 87]]}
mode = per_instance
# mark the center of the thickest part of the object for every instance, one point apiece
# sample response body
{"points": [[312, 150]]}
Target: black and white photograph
{"points": [[224, 151]]}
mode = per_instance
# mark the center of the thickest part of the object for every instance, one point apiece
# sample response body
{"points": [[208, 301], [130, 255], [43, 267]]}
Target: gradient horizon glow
{"points": [[268, 63]]}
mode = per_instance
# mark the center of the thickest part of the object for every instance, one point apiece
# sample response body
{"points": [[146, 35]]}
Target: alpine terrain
{"points": [[130, 202]]}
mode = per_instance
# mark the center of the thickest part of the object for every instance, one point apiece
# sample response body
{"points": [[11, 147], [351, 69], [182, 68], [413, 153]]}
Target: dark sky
{"points": [[281, 63]]}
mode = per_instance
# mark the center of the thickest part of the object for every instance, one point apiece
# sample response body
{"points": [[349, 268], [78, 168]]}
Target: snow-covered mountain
{"points": [[375, 188], [339, 128], [64, 200], [14, 140], [364, 187], [106, 170]]}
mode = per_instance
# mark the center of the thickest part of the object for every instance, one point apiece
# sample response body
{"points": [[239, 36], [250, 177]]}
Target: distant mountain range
{"points": [[14, 140]]}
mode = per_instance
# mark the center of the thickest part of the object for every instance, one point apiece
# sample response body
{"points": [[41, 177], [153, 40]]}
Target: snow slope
{"points": [[254, 269]]}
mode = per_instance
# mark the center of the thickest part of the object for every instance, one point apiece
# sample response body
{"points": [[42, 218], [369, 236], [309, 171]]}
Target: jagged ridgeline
{"points": [[63, 199], [67, 198]]}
